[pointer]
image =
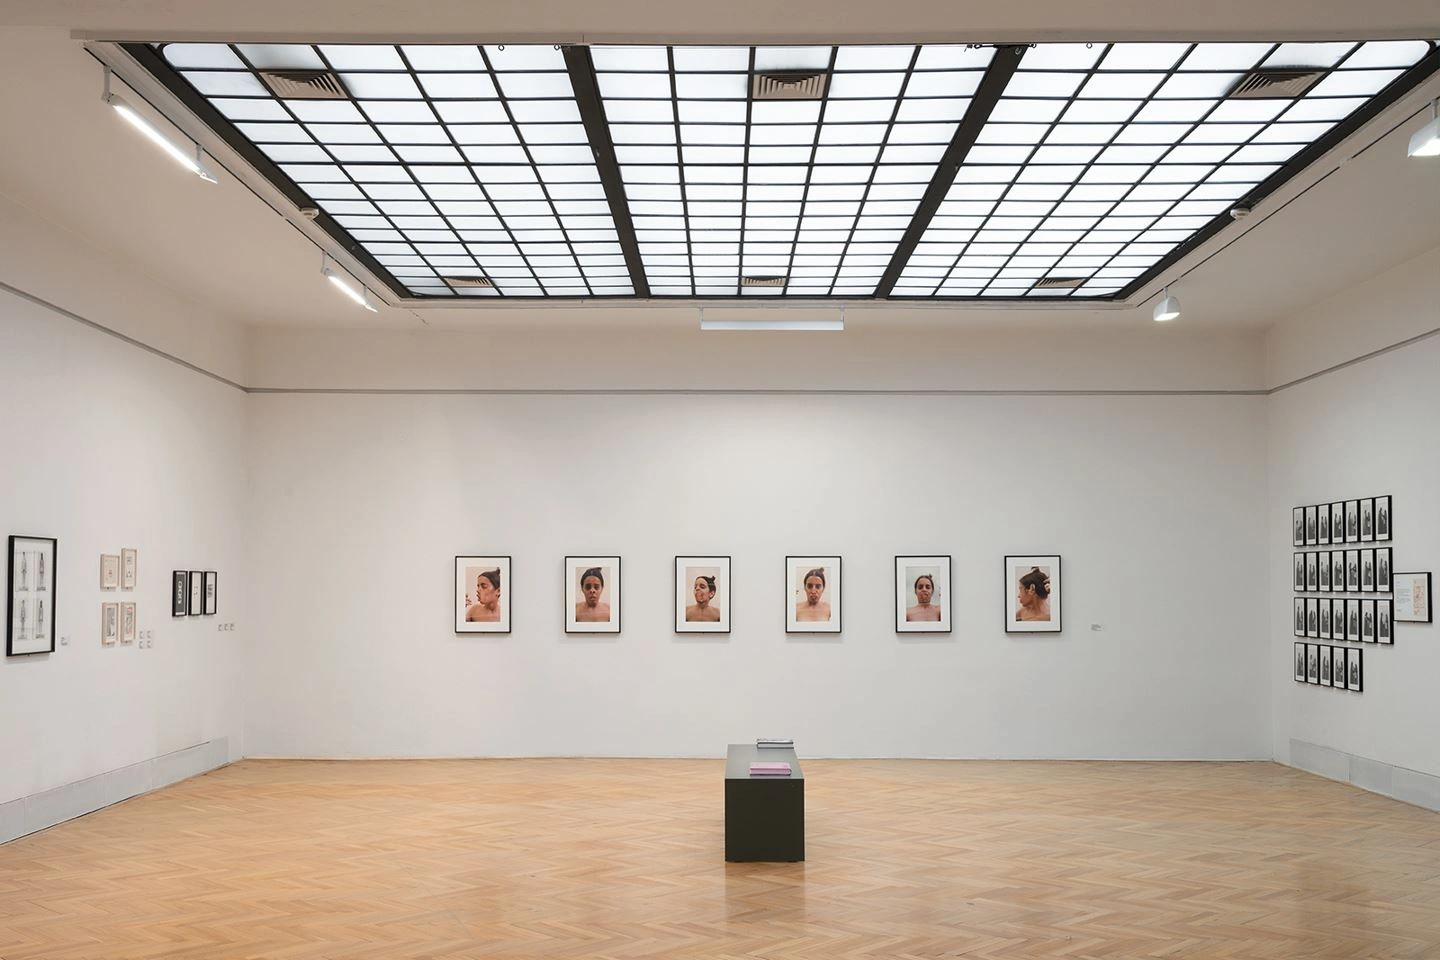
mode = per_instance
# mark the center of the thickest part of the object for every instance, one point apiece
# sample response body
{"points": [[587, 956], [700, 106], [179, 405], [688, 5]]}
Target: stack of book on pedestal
{"points": [[770, 769], [775, 743]]}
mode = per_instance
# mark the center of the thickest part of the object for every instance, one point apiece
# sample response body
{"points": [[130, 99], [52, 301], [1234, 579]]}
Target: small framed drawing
{"points": [[109, 571], [1337, 522], [1337, 678], [1032, 588], [1352, 521], [1312, 663], [1337, 571], [1312, 578], [922, 594], [1354, 661], [1382, 518], [1325, 658], [196, 605], [1384, 613], [1322, 561], [481, 604], [592, 594], [1367, 519], [702, 594], [1352, 571], [127, 622], [179, 593], [30, 626], [1324, 511], [1299, 616], [1367, 621], [1325, 633], [812, 590], [1412, 598], [129, 564], [1299, 663], [1299, 572], [1312, 531], [1367, 571], [109, 624], [212, 586], [1297, 520], [1352, 620], [1382, 570], [1312, 618]]}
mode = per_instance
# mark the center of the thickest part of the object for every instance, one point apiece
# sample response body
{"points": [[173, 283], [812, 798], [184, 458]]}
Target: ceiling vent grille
{"points": [[304, 84], [789, 86], [1060, 283], [469, 280], [1275, 83], [762, 281]]}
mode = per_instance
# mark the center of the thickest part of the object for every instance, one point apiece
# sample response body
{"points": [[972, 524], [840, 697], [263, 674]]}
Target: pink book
{"points": [[770, 769]]}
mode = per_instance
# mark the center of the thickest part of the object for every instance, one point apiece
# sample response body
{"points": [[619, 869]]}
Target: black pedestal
{"points": [[764, 815]]}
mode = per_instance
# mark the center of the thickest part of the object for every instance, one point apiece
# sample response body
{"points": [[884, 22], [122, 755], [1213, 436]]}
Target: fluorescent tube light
{"points": [[772, 321], [195, 164], [1426, 141], [361, 296]]}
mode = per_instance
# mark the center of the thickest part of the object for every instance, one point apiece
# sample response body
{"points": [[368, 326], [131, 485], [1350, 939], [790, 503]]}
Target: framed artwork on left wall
{"points": [[30, 594]]}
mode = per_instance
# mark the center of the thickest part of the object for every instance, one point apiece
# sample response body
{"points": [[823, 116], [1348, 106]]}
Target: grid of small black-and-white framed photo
{"points": [[1324, 665], [937, 171]]}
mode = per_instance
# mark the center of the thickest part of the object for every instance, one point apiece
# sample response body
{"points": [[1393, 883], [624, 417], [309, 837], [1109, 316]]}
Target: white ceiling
{"points": [[70, 159]]}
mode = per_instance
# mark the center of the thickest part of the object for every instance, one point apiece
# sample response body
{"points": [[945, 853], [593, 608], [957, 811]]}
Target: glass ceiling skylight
{"points": [[850, 172]]}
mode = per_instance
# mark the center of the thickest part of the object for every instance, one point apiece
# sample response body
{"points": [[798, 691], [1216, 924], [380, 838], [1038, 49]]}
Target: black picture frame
{"points": [[30, 589], [933, 611], [1367, 621], [1299, 616], [1018, 568], [690, 569], [180, 593], [1312, 618], [469, 601], [1355, 672], [1367, 520], [212, 587], [1337, 571], [1312, 575], [1414, 601], [1352, 521], [1385, 622], [1322, 564], [1384, 564], [1299, 663], [1337, 522], [1367, 570], [1326, 655], [1312, 532], [573, 588], [1326, 633], [1299, 578], [1312, 663], [1297, 524], [196, 606], [1352, 620], [798, 573], [1352, 571], [1384, 518], [1324, 515]]}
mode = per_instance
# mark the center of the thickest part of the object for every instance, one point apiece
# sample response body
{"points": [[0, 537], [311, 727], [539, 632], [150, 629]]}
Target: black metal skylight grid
{"points": [[723, 186], [456, 161], [1100, 159]]}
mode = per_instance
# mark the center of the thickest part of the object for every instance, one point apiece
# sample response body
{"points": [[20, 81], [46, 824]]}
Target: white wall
{"points": [[108, 446], [359, 503], [1366, 429]]}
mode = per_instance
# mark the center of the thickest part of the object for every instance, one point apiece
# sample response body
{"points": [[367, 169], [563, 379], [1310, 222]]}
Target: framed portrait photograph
{"points": [[1325, 660], [1354, 674], [1382, 518], [129, 567], [922, 594], [109, 571], [1297, 520], [1299, 616], [1352, 521], [1367, 519], [1299, 572], [1032, 587], [1312, 618], [1337, 571], [1352, 571], [180, 593], [812, 592], [592, 594], [196, 604], [1367, 621], [1325, 632], [1337, 522], [128, 622], [1312, 526], [1382, 569], [481, 602], [1312, 663], [30, 589], [1322, 563], [1312, 576], [212, 585], [1299, 663], [1352, 620], [1367, 570], [702, 594], [1384, 613], [109, 624], [1337, 677], [1412, 597], [1324, 511]]}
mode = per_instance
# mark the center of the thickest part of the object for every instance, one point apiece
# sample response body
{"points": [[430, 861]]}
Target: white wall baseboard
{"points": [[38, 811], [1398, 783]]}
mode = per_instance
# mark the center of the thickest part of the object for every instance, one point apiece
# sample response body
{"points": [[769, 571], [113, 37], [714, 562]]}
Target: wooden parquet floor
{"points": [[623, 859]]}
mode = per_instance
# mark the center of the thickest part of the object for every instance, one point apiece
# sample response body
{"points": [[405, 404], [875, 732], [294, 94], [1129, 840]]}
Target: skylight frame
{"points": [[396, 277]]}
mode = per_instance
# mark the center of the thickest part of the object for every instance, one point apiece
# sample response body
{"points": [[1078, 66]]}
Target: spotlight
{"points": [[195, 165], [1168, 308], [361, 296], [1426, 141]]}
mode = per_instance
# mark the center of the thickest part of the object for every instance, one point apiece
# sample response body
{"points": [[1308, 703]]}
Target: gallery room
{"points": [[633, 480]]}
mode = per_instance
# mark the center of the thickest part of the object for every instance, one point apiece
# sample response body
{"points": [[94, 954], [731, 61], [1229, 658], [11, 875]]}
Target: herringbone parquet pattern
{"points": [[623, 859]]}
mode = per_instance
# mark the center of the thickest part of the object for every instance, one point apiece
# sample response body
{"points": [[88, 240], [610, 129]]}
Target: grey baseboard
{"points": [[1399, 783], [27, 815]]}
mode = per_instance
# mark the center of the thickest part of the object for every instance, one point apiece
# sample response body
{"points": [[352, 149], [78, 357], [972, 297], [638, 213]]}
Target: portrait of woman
{"points": [[814, 590], [592, 594], [702, 594], [480, 594], [1032, 586], [922, 594]]}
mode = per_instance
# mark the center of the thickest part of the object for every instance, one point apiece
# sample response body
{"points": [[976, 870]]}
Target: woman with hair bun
{"points": [[700, 611], [1033, 596]]}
